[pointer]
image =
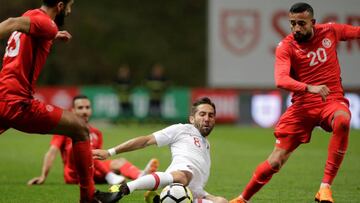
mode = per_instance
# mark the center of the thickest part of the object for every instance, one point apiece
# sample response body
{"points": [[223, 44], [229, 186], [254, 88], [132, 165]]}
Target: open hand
{"points": [[36, 181], [100, 154], [63, 36], [322, 90]]}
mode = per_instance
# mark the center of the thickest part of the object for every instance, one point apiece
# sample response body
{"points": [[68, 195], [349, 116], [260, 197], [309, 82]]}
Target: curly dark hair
{"points": [[301, 7], [203, 100]]}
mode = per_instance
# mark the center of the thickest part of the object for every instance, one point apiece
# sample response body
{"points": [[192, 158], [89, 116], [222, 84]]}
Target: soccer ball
{"points": [[176, 193]]}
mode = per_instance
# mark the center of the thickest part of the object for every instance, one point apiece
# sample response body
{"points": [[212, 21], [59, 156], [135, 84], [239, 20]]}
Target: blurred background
{"points": [[147, 60]]}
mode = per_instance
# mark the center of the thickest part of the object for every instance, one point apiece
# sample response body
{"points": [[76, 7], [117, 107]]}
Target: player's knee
{"points": [[341, 122], [182, 177], [117, 163], [276, 166], [276, 163]]}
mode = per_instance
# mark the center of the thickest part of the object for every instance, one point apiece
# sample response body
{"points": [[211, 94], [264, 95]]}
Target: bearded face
{"points": [[60, 18], [301, 26], [204, 119], [302, 37]]}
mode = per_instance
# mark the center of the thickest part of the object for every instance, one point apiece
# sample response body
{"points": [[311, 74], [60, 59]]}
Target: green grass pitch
{"points": [[236, 151]]}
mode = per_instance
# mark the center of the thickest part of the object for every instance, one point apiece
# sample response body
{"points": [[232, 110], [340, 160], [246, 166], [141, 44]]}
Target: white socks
{"points": [[113, 179], [325, 185], [149, 182], [202, 201]]}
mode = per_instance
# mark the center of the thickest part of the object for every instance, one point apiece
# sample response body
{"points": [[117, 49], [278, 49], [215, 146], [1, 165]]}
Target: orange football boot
{"points": [[151, 166], [324, 195], [238, 200]]}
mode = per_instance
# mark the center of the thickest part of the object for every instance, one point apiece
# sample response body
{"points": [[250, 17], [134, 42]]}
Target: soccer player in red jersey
{"points": [[307, 64], [31, 37], [105, 171]]}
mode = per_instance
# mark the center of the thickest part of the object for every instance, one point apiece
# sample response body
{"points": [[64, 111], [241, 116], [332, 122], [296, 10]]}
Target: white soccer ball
{"points": [[176, 193]]}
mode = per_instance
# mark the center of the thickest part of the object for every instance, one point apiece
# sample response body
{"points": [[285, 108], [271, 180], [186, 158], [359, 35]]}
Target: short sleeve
{"points": [[57, 141], [167, 135], [42, 27]]}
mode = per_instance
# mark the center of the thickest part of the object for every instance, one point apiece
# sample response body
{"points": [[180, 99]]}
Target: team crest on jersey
{"points": [[49, 108], [326, 43]]}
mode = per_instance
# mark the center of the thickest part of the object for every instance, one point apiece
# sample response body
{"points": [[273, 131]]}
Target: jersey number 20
{"points": [[318, 56]]}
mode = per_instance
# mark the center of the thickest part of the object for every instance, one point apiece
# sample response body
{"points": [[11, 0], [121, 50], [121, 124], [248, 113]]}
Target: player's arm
{"points": [[21, 24], [47, 164], [283, 79], [130, 145], [346, 32]]}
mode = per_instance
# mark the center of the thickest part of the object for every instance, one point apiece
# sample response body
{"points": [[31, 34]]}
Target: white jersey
{"points": [[190, 151]]}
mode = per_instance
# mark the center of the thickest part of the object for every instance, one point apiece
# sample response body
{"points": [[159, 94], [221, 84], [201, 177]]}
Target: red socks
{"points": [[337, 147], [262, 175], [100, 167], [130, 171], [85, 169]]}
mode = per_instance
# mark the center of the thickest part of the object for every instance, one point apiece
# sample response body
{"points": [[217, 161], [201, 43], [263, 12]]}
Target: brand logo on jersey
{"points": [[49, 108], [326, 43], [240, 30], [277, 141]]}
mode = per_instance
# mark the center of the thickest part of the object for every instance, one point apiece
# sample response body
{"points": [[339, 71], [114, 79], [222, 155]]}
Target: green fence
{"points": [[175, 106]]}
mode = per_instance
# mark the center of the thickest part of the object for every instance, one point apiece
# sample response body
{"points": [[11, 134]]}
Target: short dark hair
{"points": [[80, 96], [203, 100], [301, 7], [52, 3]]}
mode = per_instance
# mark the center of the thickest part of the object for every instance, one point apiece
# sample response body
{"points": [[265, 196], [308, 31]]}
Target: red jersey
{"points": [[314, 62], [25, 55], [64, 144]]}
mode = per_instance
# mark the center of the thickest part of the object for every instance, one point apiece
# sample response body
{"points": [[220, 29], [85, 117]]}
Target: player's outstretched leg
{"points": [[107, 197], [148, 182]]}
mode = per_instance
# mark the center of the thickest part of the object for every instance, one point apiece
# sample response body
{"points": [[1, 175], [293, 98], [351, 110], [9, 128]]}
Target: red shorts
{"points": [[31, 116], [296, 124]]}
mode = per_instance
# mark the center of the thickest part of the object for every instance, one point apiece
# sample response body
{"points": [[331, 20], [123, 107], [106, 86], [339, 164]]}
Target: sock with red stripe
{"points": [[85, 169], [130, 171], [337, 148], [262, 175], [151, 182]]}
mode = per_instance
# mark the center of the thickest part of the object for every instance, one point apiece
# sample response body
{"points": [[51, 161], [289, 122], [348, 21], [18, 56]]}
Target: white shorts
{"points": [[196, 184]]}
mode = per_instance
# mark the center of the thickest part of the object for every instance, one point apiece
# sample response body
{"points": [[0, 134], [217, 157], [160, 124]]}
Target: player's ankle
{"points": [[325, 185], [112, 178]]}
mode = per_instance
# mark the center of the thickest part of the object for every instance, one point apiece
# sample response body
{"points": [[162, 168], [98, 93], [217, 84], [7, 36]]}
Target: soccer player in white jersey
{"points": [[190, 150]]}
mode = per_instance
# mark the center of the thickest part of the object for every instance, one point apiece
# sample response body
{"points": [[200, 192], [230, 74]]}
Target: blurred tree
{"points": [[108, 33]]}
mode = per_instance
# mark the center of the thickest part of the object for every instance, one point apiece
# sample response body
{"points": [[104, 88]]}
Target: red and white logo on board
{"points": [[240, 30]]}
